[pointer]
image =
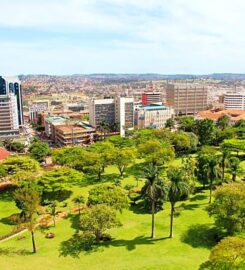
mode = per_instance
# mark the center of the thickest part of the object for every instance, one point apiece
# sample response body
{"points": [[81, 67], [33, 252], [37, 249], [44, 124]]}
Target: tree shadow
{"points": [[14, 252], [6, 195], [74, 246], [132, 244], [185, 206], [75, 222], [139, 208], [10, 220], [135, 169], [198, 197], [201, 235]]}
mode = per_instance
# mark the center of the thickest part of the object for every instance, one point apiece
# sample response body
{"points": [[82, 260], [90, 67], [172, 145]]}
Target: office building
{"points": [[10, 85], [11, 113], [149, 98], [234, 101], [37, 107], [9, 122], [111, 111], [186, 99], [153, 116], [74, 134]]}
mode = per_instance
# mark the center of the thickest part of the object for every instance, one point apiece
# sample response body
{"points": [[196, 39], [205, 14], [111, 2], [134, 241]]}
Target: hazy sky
{"points": [[127, 36]]}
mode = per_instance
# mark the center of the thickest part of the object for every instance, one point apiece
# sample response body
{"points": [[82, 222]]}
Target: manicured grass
{"points": [[7, 208], [131, 247]]}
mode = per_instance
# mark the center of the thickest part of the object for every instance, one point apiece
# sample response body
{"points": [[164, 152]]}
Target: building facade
{"points": [[234, 101], [149, 98], [9, 122], [153, 116], [11, 112], [119, 110], [186, 99], [37, 107]]}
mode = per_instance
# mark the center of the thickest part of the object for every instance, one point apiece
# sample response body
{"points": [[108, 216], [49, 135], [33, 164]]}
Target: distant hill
{"points": [[144, 77]]}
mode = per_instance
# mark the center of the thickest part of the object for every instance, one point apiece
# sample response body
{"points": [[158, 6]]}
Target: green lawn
{"points": [[131, 247]]}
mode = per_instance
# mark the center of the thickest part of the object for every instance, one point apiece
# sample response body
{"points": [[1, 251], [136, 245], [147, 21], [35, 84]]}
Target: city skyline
{"points": [[115, 36]]}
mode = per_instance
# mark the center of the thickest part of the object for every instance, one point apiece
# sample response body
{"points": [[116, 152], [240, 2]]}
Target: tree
{"points": [[78, 200], [202, 169], [234, 167], [181, 142], [153, 190], [72, 157], [170, 123], [213, 173], [228, 207], [111, 195], [228, 254], [123, 158], [106, 151], [225, 153], [21, 168], [39, 150], [206, 131], [223, 122], [52, 210], [28, 200], [155, 152], [121, 142], [14, 146], [53, 183], [186, 123], [3, 172], [176, 189], [234, 145], [97, 219]]}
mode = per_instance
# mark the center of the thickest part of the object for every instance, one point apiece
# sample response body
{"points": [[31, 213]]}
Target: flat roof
{"points": [[153, 108]]}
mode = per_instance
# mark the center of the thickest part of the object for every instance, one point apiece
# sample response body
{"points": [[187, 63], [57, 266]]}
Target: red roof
{"points": [[3, 153]]}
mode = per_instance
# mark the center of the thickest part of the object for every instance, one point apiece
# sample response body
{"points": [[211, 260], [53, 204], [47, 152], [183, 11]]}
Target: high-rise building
{"points": [[234, 101], [149, 98], [186, 99], [111, 111], [9, 124], [10, 85], [11, 113]]}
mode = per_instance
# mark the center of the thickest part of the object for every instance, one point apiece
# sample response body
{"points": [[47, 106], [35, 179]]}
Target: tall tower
{"points": [[13, 85], [11, 112]]}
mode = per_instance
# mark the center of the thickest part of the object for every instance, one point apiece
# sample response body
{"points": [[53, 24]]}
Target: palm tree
{"points": [[223, 162], [153, 189], [178, 187], [234, 167], [213, 173]]}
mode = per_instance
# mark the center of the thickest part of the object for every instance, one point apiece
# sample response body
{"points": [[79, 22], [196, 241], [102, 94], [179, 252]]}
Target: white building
{"points": [[153, 116], [38, 106], [9, 122], [111, 111], [234, 101]]}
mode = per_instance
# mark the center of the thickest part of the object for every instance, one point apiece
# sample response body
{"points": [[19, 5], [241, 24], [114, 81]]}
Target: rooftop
{"points": [[3, 153], [154, 108]]}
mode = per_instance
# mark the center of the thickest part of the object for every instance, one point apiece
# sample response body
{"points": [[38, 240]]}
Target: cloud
{"points": [[72, 36]]}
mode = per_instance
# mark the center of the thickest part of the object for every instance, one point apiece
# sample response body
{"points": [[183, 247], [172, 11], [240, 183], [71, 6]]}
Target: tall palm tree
{"points": [[153, 189], [234, 167], [223, 162], [213, 173], [178, 186]]}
